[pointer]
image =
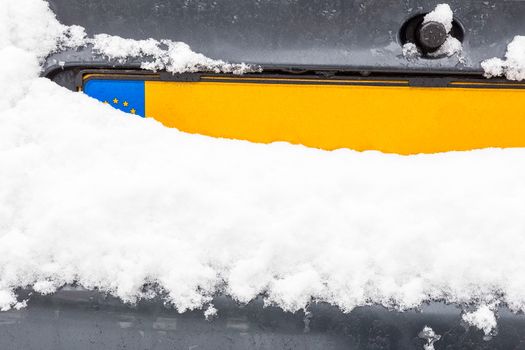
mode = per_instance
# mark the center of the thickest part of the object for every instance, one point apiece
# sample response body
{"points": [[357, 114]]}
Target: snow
{"points": [[410, 51], [210, 313], [174, 57], [450, 47], [493, 67], [430, 336], [115, 47], [443, 14], [513, 67], [483, 318], [96, 197]]}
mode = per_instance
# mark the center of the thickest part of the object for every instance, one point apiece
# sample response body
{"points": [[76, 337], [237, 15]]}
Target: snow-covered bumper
{"points": [[349, 45]]}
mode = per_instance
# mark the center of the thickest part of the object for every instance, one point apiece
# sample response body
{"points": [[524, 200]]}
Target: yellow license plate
{"points": [[387, 115]]}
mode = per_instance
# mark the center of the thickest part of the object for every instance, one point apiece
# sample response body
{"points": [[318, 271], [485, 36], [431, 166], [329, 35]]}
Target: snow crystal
{"points": [[20, 305], [44, 287], [96, 197], [115, 47], [210, 312], [513, 67], [430, 336], [74, 36], [493, 67], [450, 47], [410, 51], [442, 14], [483, 318]]}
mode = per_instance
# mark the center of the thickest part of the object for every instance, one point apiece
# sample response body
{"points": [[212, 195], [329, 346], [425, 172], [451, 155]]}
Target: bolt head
{"points": [[432, 35]]}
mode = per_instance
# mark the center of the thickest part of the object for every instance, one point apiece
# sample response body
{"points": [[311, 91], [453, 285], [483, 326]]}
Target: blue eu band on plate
{"points": [[125, 95]]}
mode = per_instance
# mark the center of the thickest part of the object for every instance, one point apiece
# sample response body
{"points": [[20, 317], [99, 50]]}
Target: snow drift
{"points": [[93, 196]]}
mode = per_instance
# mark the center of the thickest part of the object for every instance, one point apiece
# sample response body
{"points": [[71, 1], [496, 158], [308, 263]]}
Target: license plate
{"points": [[389, 115]]}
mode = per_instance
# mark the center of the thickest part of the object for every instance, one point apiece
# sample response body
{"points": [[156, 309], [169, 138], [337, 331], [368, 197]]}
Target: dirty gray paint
{"points": [[75, 318], [353, 35]]}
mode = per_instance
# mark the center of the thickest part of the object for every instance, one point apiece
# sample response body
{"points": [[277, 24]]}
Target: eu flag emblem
{"points": [[126, 95]]}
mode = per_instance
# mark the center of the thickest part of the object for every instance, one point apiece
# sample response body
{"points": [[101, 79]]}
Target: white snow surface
{"points": [[513, 67], [483, 318], [91, 195]]}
